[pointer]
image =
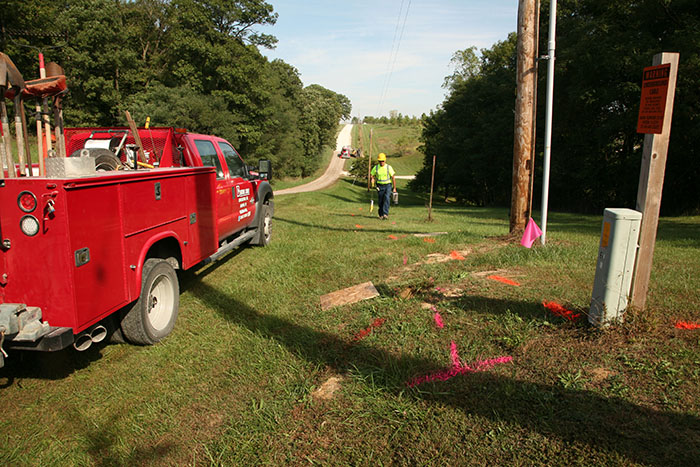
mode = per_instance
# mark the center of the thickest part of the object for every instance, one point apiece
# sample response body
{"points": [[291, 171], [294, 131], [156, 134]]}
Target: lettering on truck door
{"points": [[227, 211], [242, 194]]}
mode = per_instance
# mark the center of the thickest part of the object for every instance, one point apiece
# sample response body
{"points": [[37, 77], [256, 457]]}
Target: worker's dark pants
{"points": [[384, 198]]}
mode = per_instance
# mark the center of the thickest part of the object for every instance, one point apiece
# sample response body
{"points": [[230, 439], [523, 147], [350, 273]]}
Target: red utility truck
{"points": [[92, 248]]}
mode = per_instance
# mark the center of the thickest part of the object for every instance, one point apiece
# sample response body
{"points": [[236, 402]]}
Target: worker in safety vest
{"points": [[383, 175]]}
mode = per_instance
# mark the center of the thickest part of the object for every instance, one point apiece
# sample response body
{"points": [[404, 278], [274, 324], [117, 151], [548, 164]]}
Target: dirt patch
{"points": [[598, 375], [327, 390], [406, 293], [450, 291]]}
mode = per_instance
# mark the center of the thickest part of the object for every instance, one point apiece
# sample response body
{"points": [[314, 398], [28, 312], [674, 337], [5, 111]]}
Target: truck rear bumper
{"points": [[56, 339]]}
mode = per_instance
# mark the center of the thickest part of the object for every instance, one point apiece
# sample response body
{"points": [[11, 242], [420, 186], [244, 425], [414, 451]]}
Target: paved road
{"points": [[334, 170]]}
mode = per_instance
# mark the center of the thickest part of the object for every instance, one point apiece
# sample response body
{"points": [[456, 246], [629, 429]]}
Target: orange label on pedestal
{"points": [[653, 104], [606, 235]]}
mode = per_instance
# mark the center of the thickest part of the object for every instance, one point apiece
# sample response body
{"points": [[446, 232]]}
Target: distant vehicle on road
{"points": [[345, 152]]}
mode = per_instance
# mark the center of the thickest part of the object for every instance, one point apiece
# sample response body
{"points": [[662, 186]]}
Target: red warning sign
{"points": [[653, 103]]}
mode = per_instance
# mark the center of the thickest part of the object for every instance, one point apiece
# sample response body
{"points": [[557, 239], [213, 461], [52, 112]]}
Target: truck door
{"points": [[243, 197], [227, 211]]}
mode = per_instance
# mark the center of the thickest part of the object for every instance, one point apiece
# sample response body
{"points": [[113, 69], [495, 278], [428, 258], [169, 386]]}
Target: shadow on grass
{"points": [[406, 196], [390, 228], [640, 434]]}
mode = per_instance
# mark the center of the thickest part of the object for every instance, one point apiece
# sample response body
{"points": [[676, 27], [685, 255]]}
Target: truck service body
{"points": [[82, 257]]}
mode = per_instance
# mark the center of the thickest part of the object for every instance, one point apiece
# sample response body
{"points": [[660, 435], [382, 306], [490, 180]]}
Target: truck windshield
{"points": [[233, 160], [207, 153]]}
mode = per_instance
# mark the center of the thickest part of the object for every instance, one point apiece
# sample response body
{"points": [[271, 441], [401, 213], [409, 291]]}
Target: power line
{"points": [[394, 54]]}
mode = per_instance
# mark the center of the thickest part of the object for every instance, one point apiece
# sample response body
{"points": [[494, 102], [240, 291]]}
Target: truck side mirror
{"points": [[265, 168]]}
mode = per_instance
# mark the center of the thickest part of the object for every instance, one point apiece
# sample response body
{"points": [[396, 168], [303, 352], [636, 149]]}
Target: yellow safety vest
{"points": [[383, 174]]}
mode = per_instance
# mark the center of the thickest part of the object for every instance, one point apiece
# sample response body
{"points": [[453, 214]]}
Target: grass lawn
{"points": [[386, 138], [256, 372]]}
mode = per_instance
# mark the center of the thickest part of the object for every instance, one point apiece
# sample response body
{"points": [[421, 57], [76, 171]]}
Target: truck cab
{"points": [[234, 190]]}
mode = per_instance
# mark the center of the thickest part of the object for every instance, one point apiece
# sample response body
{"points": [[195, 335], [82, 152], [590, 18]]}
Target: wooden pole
{"points": [[369, 162], [137, 137], [45, 114], [40, 139], [522, 146], [651, 181], [25, 135], [432, 182], [6, 138], [18, 132]]}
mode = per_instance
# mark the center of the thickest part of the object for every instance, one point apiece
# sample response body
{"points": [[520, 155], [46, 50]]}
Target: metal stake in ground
{"points": [[432, 181], [369, 162]]}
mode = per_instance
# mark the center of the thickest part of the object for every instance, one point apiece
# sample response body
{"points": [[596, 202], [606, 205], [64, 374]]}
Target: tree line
{"points": [[394, 118], [194, 64], [602, 48]]}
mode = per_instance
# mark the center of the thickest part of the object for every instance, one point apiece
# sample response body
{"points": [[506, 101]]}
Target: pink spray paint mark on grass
{"points": [[405, 259], [438, 320], [458, 368], [686, 325], [454, 355]]}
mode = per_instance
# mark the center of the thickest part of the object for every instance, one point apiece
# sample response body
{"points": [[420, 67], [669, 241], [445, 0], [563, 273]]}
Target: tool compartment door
{"points": [[97, 255]]}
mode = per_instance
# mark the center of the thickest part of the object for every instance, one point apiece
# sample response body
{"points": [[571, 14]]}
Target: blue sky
{"points": [[346, 46]]}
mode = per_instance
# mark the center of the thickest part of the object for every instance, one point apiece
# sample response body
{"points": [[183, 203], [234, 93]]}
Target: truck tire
{"points": [[153, 315], [264, 226]]}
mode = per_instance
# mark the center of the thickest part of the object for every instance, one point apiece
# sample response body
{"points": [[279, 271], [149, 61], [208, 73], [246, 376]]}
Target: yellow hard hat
{"points": [[381, 157]]}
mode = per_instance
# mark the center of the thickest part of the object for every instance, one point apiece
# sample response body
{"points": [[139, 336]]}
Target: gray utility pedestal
{"points": [[615, 265]]}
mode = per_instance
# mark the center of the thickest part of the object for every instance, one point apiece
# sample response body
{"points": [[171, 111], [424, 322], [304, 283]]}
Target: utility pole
{"points": [[524, 113]]}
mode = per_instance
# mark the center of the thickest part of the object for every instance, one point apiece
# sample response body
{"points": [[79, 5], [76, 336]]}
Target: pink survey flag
{"points": [[531, 233]]}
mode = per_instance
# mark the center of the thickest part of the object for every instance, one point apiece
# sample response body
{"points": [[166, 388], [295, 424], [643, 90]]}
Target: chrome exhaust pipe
{"points": [[82, 342], [98, 333]]}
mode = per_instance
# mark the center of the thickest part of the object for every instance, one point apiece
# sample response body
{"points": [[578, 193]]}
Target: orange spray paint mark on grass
{"points": [[365, 332], [429, 240], [505, 280], [455, 255], [559, 310], [358, 226], [393, 237], [686, 325]]}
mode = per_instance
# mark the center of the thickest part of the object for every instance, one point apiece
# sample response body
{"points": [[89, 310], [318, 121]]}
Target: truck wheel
{"points": [[265, 226], [153, 315]]}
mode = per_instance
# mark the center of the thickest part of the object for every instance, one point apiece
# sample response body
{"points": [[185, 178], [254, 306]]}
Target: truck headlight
{"points": [[26, 201], [29, 225]]}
